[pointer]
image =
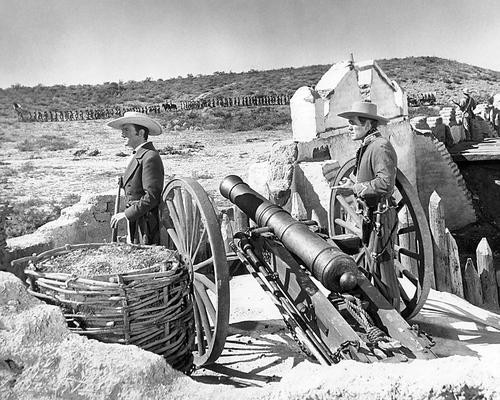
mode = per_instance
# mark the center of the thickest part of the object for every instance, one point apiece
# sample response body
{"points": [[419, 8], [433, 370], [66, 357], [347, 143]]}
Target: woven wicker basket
{"points": [[149, 307]]}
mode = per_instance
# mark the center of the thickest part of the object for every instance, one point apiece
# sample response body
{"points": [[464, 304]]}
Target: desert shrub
{"points": [[201, 175], [28, 215], [46, 142], [26, 167]]}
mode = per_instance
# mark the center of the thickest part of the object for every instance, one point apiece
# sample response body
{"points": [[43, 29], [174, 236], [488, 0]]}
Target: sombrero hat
{"points": [[364, 109], [133, 117]]}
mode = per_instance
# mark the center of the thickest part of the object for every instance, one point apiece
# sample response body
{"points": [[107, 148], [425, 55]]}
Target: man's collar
{"points": [[372, 135], [138, 147]]}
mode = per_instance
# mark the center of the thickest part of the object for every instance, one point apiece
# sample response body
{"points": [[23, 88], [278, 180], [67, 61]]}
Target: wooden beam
{"points": [[457, 286], [486, 272], [472, 284], [438, 230]]}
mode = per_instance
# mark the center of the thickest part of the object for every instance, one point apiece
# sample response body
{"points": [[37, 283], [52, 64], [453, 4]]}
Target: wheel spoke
{"points": [[200, 241], [179, 229], [203, 279], [199, 333], [348, 226], [408, 275], [204, 318], [206, 300], [173, 235], [197, 227], [202, 264], [359, 257], [188, 209], [406, 252], [349, 209], [181, 214], [406, 229], [400, 204]]}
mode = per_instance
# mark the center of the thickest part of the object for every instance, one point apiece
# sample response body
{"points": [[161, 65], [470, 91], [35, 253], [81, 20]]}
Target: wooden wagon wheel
{"points": [[413, 249], [194, 230]]}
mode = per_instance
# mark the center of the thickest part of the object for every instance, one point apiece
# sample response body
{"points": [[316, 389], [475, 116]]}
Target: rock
{"points": [[93, 153]]}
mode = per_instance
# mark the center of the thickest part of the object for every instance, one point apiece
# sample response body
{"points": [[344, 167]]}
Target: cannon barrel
{"points": [[333, 268]]}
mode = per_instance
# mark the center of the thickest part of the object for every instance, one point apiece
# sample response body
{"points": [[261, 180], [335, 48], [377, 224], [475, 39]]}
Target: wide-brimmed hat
{"points": [[466, 91], [364, 109], [133, 117]]}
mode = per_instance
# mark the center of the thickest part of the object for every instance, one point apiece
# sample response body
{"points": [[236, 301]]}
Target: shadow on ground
{"points": [[256, 353]]}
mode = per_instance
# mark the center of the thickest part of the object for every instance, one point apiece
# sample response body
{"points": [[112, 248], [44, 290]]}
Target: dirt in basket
{"points": [[109, 259]]}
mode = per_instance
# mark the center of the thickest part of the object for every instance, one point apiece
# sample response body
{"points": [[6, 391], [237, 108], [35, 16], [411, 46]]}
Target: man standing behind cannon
{"points": [[372, 184], [142, 180]]}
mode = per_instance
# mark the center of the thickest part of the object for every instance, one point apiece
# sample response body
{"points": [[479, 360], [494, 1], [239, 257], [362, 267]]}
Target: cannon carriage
{"points": [[325, 285]]}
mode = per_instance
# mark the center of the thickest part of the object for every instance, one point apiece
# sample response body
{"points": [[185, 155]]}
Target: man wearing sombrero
{"points": [[142, 180], [372, 183], [467, 105]]}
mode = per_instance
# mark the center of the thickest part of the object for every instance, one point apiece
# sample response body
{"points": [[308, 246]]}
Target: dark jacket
{"points": [[376, 169], [143, 184]]}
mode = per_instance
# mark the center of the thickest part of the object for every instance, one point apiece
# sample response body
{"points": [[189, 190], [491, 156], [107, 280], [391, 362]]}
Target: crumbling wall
{"points": [[339, 87], [85, 222], [381, 89], [307, 116]]}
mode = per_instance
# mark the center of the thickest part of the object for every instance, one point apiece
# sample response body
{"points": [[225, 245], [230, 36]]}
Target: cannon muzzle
{"points": [[333, 268]]}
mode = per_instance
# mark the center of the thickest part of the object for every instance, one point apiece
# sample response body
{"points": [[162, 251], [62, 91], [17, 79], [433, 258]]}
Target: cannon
{"points": [[333, 304], [333, 268]]}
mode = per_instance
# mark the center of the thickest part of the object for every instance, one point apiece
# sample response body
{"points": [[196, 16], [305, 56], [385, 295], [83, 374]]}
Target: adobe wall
{"points": [[383, 94]]}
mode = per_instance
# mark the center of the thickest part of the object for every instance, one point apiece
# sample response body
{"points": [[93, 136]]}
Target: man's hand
{"points": [[117, 218], [345, 188]]}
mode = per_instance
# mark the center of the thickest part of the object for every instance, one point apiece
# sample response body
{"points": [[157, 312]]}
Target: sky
{"points": [[89, 41]]}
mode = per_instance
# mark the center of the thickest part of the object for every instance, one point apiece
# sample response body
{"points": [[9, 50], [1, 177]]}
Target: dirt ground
{"points": [[53, 175]]}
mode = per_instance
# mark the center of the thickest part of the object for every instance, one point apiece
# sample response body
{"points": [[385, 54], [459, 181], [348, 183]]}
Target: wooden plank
{"points": [[394, 323], [486, 272], [472, 284], [457, 286], [438, 230], [227, 232], [240, 220]]}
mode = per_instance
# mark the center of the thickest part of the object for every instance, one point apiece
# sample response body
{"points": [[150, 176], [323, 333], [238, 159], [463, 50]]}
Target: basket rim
{"points": [[36, 258]]}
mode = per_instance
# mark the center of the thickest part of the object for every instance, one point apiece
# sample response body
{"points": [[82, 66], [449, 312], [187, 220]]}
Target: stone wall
{"points": [[85, 222]]}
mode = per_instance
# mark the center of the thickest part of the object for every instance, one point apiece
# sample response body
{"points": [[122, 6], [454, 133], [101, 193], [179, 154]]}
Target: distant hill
{"points": [[414, 74]]}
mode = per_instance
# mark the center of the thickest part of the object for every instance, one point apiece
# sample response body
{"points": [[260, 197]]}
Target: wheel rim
{"points": [[413, 250], [189, 219]]}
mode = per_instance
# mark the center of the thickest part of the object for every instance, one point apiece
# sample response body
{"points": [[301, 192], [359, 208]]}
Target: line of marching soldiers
{"points": [[241, 101], [111, 112]]}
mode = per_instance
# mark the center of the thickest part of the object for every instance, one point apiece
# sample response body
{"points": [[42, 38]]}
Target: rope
{"points": [[374, 334]]}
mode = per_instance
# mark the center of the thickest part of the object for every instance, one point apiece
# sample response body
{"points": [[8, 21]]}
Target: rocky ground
{"points": [[51, 160]]}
